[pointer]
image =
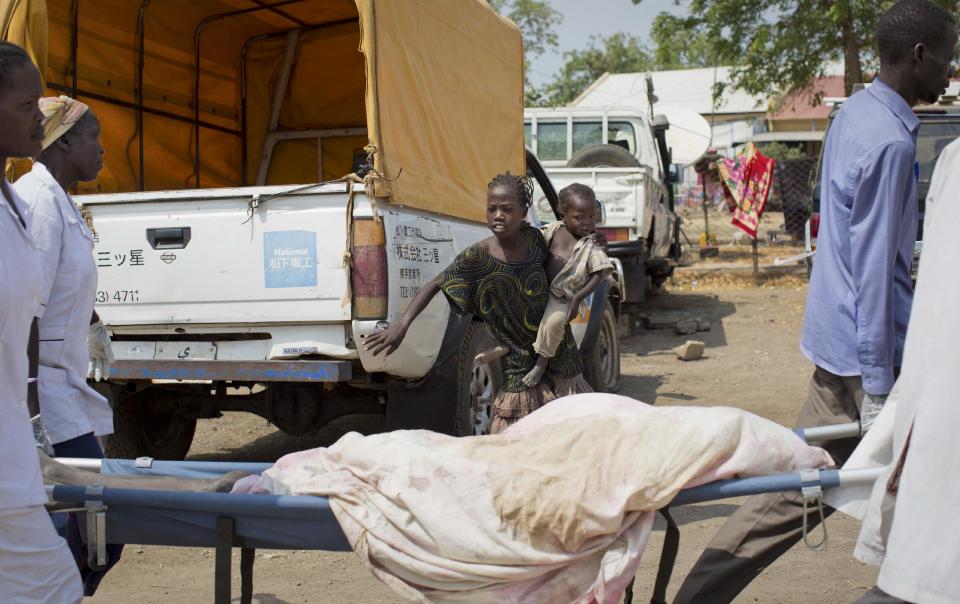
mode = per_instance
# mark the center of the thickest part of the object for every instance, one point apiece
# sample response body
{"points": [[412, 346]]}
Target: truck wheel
{"points": [[601, 366], [154, 424], [603, 156], [478, 384]]}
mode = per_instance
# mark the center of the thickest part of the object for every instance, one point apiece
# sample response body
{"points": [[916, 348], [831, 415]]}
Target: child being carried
{"points": [[576, 265]]}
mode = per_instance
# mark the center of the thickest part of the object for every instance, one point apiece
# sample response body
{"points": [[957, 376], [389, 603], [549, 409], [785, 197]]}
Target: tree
{"points": [[536, 20], [780, 151], [782, 46], [622, 53], [680, 52], [617, 53]]}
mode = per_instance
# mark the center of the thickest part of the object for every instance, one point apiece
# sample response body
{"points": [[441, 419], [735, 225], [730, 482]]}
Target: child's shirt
{"points": [[586, 259]]}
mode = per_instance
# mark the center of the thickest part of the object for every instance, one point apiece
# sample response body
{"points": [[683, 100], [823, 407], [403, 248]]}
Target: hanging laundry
{"points": [[747, 179]]}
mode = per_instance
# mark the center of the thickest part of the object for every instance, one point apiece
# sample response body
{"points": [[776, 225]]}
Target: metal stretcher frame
{"points": [[224, 521]]}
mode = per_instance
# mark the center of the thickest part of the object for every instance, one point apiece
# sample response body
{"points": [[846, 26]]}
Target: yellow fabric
{"points": [[60, 114], [444, 97], [24, 22], [437, 84]]}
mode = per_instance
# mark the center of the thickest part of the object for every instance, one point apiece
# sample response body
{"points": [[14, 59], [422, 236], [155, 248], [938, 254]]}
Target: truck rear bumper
{"points": [[240, 371]]}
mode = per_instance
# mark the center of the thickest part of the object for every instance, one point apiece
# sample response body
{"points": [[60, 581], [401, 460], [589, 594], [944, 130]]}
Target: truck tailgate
{"points": [[221, 256]]}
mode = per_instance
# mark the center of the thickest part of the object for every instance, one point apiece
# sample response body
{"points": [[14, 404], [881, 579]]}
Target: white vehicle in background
{"points": [[239, 269], [626, 157]]}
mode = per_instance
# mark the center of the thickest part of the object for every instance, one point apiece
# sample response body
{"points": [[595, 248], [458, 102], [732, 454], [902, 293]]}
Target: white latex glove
{"points": [[870, 409], [40, 435], [101, 354]]}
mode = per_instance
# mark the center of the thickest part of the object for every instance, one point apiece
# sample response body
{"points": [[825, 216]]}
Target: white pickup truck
{"points": [[622, 156], [216, 303], [227, 286]]}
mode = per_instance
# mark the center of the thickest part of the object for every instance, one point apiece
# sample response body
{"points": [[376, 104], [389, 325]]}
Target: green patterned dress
{"points": [[510, 298]]}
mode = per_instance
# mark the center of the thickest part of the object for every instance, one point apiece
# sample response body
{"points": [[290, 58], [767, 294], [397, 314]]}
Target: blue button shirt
{"points": [[860, 292]]}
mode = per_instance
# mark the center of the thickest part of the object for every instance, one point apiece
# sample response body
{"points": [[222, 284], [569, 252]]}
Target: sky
{"points": [[584, 18]]}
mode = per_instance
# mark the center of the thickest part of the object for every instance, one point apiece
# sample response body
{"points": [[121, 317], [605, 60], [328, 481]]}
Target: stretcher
{"points": [[225, 521]]}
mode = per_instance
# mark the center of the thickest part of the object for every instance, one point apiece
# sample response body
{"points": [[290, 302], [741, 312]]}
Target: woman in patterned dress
{"points": [[501, 281]]}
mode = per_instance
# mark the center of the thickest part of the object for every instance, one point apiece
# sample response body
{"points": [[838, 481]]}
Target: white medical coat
{"points": [[68, 405], [910, 521], [21, 484]]}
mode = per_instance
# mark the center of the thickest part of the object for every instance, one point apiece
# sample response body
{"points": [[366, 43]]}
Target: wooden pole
{"points": [[706, 220], [756, 264]]}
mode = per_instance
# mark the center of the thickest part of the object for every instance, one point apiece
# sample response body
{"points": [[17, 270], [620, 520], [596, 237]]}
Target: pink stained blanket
{"points": [[558, 508]]}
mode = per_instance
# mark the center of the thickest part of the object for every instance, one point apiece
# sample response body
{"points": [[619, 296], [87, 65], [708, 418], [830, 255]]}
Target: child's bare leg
{"points": [[55, 473], [533, 377], [550, 335], [492, 354]]}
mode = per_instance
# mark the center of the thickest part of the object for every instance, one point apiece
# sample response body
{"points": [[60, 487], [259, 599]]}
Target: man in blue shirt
{"points": [[860, 291]]}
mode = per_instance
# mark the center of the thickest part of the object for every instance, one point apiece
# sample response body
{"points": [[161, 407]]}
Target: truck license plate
{"points": [[185, 351]]}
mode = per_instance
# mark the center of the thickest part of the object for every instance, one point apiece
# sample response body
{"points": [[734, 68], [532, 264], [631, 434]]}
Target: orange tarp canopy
{"points": [[290, 91]]}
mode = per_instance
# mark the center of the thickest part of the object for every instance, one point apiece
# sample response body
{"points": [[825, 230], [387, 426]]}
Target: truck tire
{"points": [[603, 156], [150, 424], [601, 364], [477, 384]]}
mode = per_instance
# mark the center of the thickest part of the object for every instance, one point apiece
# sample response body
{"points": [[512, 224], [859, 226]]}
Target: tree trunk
{"points": [[852, 71]]}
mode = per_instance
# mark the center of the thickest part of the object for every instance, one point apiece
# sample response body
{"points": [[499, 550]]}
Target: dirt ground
{"points": [[752, 362]]}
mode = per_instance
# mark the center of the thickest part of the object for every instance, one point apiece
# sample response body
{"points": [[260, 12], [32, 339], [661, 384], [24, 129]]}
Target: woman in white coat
{"points": [[35, 564], [70, 333]]}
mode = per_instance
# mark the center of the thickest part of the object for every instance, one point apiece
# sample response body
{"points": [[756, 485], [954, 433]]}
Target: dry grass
{"points": [[735, 280], [721, 226], [735, 252], [743, 254]]}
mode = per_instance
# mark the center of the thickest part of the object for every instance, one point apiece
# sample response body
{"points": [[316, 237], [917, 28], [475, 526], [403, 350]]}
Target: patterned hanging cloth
{"points": [[747, 179]]}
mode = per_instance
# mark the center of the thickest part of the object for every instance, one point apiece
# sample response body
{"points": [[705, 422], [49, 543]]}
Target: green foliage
{"points": [[536, 20], [781, 46], [780, 151], [621, 53], [679, 49], [617, 53]]}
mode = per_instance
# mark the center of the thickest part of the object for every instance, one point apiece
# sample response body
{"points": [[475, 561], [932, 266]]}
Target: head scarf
{"points": [[59, 115]]}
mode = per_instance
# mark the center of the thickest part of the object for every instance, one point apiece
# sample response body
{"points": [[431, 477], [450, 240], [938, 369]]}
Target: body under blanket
{"points": [[558, 508]]}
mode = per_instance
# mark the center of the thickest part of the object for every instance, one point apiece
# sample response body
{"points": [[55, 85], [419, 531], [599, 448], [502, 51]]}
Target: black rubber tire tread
{"points": [[476, 340], [593, 156], [124, 442], [593, 369], [129, 439]]}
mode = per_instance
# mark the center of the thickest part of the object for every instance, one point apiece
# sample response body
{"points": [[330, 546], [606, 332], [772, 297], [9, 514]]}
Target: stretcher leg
{"points": [[246, 575], [668, 558], [222, 565]]}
